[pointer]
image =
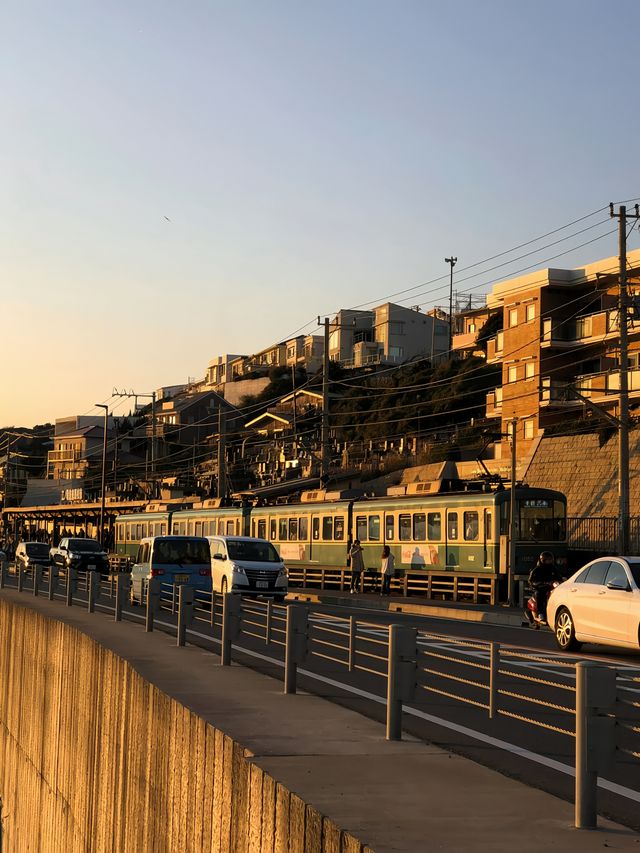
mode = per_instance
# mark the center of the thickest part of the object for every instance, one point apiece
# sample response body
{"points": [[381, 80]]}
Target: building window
{"points": [[513, 318], [528, 429], [472, 327], [531, 312], [512, 373], [396, 352], [529, 370]]}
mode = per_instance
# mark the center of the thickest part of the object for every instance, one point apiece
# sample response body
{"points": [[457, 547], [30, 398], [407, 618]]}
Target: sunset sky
{"points": [[181, 180]]}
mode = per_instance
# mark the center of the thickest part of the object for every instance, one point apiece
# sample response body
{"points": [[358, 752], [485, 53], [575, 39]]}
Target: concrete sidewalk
{"points": [[403, 797], [490, 614]]}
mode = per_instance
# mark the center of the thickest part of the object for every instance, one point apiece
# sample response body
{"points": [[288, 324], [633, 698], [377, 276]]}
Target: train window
{"points": [[220, 527], [471, 526], [389, 527], [327, 527], [434, 526], [419, 527], [452, 525], [273, 529], [488, 527], [282, 529], [338, 527], [404, 528], [303, 529], [293, 530], [315, 528], [262, 529], [374, 528], [231, 528], [361, 528]]}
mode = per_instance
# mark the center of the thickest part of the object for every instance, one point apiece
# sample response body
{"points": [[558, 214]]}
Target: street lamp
{"points": [[452, 261], [104, 468]]}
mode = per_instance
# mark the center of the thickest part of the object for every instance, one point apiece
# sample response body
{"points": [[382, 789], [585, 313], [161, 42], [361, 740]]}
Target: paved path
{"points": [[404, 797]]}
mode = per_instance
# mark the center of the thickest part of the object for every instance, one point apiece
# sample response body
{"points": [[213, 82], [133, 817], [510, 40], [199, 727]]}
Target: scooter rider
{"points": [[542, 575]]}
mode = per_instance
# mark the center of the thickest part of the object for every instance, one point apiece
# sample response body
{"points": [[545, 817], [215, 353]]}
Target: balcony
{"points": [[495, 348], [55, 457], [494, 403], [554, 394], [589, 329], [605, 387], [466, 342]]}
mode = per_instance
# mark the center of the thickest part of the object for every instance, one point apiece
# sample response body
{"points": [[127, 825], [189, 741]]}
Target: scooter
{"points": [[531, 609]]}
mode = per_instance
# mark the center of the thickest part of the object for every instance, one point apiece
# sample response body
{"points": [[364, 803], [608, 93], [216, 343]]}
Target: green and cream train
{"points": [[464, 532]]}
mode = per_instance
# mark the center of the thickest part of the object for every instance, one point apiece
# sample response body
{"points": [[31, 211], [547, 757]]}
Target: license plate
{"points": [[92, 567], [262, 584], [181, 578]]}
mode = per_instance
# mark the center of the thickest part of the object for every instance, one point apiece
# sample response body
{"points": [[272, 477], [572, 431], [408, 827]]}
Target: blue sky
{"points": [[308, 156]]}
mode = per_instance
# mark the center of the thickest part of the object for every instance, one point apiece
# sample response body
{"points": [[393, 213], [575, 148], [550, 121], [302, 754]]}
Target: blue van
{"points": [[174, 560]]}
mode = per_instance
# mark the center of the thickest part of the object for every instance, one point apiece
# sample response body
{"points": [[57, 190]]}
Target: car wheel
{"points": [[565, 631], [223, 586]]}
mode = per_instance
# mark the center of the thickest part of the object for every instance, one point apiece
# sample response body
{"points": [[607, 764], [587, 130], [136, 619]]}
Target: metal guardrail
{"points": [[592, 707], [477, 589]]}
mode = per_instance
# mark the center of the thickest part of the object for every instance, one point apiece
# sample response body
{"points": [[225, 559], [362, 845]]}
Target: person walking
{"points": [[387, 570], [357, 565]]}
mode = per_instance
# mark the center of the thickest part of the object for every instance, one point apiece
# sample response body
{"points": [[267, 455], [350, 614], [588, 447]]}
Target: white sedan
{"points": [[599, 604]]}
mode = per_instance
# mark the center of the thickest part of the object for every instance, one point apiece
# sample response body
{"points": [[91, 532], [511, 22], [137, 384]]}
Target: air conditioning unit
{"points": [[395, 491], [430, 488], [312, 497]]}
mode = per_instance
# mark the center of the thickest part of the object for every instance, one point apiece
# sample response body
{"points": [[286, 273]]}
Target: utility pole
{"points": [[452, 261], [623, 430], [222, 472], [324, 459], [135, 396], [295, 408], [104, 468], [513, 527]]}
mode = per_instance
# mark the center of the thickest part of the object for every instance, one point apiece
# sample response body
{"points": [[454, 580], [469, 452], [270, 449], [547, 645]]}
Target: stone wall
{"points": [[585, 468], [94, 758]]}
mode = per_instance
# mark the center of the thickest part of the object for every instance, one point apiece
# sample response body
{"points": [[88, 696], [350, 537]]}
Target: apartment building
{"points": [[389, 334], [77, 447], [559, 346]]}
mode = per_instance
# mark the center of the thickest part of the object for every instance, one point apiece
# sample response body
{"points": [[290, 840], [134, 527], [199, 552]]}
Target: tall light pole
{"points": [[513, 523], [452, 261], [104, 468]]}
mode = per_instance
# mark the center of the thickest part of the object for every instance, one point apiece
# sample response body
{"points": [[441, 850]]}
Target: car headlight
{"points": [[238, 570], [283, 573]]}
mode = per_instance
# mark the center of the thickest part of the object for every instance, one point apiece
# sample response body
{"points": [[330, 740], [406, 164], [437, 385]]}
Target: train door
{"points": [[452, 534], [315, 538], [487, 538]]}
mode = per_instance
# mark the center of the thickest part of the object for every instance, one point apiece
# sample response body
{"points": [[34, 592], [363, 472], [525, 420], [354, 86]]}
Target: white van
{"points": [[247, 565], [175, 560]]}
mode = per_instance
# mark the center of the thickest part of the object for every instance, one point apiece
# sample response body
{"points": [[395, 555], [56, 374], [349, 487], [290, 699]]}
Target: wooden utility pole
{"points": [[324, 442], [623, 430], [513, 525], [222, 468]]}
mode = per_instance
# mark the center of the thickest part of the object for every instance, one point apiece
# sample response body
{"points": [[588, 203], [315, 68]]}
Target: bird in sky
{"points": [[167, 218]]}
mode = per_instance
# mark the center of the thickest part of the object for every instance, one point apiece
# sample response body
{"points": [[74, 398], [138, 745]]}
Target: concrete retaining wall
{"points": [[78, 771], [585, 468]]}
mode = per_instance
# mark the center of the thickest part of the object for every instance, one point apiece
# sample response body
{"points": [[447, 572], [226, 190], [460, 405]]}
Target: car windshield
{"points": [[252, 551], [181, 552], [37, 549], [634, 565], [84, 546]]}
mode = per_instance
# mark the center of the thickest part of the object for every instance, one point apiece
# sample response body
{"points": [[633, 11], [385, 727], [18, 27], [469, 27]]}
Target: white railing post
{"points": [[53, 580], [401, 675], [37, 578], [231, 614], [123, 589], [185, 612], [154, 595], [295, 644], [3, 569], [72, 584], [494, 667], [93, 590], [20, 578], [595, 744], [269, 620], [353, 629]]}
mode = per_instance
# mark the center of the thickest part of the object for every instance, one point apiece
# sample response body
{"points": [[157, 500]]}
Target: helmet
{"points": [[546, 555]]}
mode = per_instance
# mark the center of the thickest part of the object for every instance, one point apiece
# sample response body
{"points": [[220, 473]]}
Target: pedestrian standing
{"points": [[387, 570], [357, 565]]}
